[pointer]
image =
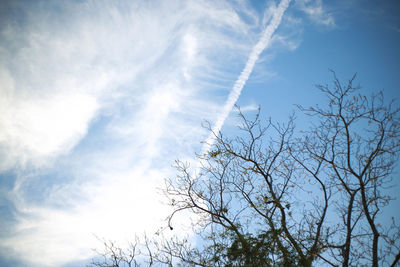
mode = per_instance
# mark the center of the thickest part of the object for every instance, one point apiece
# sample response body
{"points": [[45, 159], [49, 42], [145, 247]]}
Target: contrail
{"points": [[244, 75]]}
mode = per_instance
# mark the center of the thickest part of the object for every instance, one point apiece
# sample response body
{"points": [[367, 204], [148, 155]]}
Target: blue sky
{"points": [[98, 98]]}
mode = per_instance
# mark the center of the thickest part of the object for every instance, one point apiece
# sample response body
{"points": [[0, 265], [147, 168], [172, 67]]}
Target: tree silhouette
{"points": [[277, 196]]}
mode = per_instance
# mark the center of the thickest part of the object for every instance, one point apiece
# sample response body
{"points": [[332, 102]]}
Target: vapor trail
{"points": [[244, 75]]}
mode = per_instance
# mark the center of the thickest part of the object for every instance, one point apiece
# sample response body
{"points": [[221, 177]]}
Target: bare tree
{"points": [[277, 196], [113, 255], [256, 184], [357, 141]]}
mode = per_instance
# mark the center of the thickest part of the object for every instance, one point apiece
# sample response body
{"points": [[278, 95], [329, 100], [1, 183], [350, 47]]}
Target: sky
{"points": [[98, 98]]}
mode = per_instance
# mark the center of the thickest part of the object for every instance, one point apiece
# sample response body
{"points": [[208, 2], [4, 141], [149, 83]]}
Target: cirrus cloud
{"points": [[97, 101]]}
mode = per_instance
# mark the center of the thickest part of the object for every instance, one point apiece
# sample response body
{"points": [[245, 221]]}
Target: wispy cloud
{"points": [[316, 12], [97, 100]]}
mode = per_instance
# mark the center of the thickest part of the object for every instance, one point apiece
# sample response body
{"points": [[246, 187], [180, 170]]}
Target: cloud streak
{"points": [[316, 12], [245, 74]]}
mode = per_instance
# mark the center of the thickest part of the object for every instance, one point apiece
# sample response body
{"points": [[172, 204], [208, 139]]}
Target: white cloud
{"points": [[287, 42], [250, 107], [316, 12], [190, 50], [97, 100], [59, 236], [36, 128]]}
